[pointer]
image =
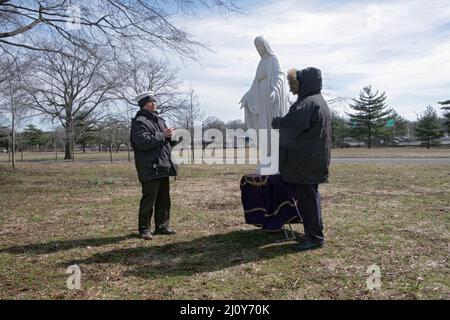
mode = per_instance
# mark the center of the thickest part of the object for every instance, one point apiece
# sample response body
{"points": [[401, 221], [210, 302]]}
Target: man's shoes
{"points": [[308, 245], [146, 235], [165, 231]]}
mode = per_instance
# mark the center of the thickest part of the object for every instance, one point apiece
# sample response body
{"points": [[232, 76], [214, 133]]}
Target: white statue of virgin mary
{"points": [[267, 98]]}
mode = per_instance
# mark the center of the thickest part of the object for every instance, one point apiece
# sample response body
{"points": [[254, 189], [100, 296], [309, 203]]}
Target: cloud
{"points": [[400, 47]]}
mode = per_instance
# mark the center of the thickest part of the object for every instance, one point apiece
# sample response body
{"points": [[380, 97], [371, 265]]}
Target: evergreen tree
{"points": [[4, 135], [355, 131], [33, 136], [428, 127], [371, 114], [446, 108], [394, 127], [339, 129]]}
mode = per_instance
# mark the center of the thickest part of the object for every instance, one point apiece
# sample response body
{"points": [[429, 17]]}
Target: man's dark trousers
{"points": [[309, 203], [155, 197]]}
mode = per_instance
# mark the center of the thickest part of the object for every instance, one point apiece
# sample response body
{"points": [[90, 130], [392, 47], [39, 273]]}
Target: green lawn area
{"points": [[56, 215]]}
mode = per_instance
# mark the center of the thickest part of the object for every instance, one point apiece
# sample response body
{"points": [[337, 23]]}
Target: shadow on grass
{"points": [[205, 254], [56, 246]]}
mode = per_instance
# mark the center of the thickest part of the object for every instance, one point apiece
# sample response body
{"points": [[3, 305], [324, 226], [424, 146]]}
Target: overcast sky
{"points": [[400, 47]]}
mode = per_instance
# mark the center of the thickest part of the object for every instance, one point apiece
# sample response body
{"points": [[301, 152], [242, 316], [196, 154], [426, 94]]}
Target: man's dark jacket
{"points": [[152, 150], [305, 133]]}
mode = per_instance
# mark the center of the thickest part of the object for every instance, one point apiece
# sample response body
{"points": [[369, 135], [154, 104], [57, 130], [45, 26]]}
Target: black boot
{"points": [[308, 245]]}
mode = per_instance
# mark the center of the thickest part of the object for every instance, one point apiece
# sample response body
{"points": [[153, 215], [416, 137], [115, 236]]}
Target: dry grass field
{"points": [[54, 215]]}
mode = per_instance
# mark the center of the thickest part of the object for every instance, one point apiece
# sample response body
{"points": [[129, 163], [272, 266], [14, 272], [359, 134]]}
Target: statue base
{"points": [[268, 170]]}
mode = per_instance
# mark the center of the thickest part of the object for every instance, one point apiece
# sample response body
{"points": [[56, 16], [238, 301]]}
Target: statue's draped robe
{"points": [[259, 108]]}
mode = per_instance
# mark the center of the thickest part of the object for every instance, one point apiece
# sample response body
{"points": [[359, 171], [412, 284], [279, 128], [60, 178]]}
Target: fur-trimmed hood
{"points": [[306, 82], [292, 80]]}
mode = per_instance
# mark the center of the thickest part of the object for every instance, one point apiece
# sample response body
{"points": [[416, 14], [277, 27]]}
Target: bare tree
{"points": [[236, 124], [189, 115], [147, 74], [123, 127], [13, 111], [51, 25], [6, 66], [71, 90], [212, 122]]}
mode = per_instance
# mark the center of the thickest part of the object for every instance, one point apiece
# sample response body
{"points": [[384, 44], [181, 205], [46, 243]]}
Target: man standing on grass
{"points": [[305, 146], [151, 141]]}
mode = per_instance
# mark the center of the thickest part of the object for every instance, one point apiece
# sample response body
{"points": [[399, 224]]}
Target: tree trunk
{"points": [[192, 148], [110, 153], [13, 147], [13, 129], [8, 149], [56, 148], [224, 146], [69, 142], [129, 152], [67, 148]]}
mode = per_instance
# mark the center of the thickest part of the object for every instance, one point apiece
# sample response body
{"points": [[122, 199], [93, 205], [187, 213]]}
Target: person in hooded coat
{"points": [[305, 146]]}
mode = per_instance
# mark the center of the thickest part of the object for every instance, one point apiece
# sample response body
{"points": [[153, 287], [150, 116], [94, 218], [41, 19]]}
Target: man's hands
{"points": [[168, 133]]}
